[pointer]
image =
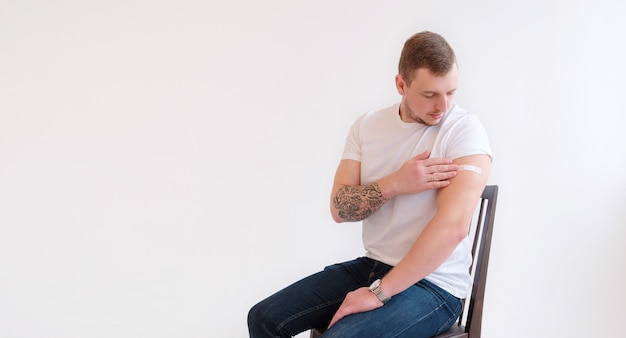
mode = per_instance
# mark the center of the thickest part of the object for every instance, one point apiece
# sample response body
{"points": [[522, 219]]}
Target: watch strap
{"points": [[376, 290]]}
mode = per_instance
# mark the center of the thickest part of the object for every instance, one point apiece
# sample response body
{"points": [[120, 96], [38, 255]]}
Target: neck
{"points": [[407, 116]]}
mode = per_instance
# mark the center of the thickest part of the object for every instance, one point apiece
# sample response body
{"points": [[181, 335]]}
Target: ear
{"points": [[400, 85]]}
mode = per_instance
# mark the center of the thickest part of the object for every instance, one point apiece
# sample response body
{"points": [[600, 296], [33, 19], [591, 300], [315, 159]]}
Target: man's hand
{"points": [[421, 173], [357, 301]]}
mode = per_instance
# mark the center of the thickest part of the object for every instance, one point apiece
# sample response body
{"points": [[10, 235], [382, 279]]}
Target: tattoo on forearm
{"points": [[356, 203]]}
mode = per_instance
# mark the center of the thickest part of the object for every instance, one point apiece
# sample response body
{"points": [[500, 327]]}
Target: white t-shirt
{"points": [[382, 142]]}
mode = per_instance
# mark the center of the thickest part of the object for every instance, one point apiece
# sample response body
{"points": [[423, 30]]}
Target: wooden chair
{"points": [[470, 327]]}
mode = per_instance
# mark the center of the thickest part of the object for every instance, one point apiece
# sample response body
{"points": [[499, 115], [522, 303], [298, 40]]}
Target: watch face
{"points": [[375, 285], [375, 288]]}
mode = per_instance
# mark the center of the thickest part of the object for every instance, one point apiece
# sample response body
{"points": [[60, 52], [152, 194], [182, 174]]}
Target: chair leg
{"points": [[315, 333]]}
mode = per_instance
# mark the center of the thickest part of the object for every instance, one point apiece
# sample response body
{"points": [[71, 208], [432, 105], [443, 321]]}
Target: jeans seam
{"points": [[453, 317], [420, 320], [443, 304], [307, 311]]}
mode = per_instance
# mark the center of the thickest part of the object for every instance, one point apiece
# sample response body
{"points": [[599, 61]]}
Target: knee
{"points": [[258, 321], [254, 317]]}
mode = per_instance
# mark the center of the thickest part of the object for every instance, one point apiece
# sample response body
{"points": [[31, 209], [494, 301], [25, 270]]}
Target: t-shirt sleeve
{"points": [[467, 137], [352, 148]]}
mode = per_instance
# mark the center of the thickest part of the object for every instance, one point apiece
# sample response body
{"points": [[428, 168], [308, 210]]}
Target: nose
{"points": [[442, 104]]}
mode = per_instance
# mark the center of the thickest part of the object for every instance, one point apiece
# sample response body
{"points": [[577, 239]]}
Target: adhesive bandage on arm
{"points": [[469, 167]]}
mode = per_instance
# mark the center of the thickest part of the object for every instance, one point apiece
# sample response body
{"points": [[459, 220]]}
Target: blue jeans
{"points": [[422, 310]]}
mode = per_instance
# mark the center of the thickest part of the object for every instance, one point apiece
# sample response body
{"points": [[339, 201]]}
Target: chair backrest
{"points": [[481, 248], [482, 243]]}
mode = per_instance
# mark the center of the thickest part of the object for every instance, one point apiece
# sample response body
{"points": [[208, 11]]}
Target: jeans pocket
{"points": [[379, 270]]}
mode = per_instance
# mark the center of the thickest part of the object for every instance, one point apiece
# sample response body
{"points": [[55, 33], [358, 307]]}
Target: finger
{"points": [[444, 168], [438, 161], [431, 178], [444, 176], [436, 177], [335, 319], [338, 314], [438, 184], [332, 322], [421, 156]]}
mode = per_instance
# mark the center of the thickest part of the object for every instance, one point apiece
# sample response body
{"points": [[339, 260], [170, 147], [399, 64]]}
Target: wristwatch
{"points": [[375, 288]]}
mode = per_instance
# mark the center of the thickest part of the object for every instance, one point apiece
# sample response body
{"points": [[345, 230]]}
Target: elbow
{"points": [[452, 237], [334, 211], [463, 228], [455, 227], [457, 233], [335, 215]]}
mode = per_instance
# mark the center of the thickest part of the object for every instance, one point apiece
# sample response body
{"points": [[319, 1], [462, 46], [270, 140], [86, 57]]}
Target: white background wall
{"points": [[164, 165]]}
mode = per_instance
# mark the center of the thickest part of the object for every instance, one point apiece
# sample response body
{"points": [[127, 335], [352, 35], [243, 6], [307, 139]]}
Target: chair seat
{"points": [[454, 332]]}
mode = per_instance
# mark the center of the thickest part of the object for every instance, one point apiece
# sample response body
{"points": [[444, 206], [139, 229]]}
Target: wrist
{"points": [[387, 187], [376, 289]]}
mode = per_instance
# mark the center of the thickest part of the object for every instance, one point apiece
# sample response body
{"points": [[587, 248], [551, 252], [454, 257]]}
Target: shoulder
{"points": [[459, 118], [458, 115], [462, 134], [375, 121], [383, 114]]}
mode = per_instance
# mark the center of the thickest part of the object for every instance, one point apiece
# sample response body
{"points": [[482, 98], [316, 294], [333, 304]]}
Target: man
{"points": [[413, 173]]}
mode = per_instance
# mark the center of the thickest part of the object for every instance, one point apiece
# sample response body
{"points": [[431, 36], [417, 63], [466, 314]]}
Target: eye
{"points": [[428, 95]]}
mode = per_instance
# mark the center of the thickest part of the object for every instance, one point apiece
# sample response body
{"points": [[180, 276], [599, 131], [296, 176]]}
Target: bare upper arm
{"points": [[456, 203], [348, 173]]}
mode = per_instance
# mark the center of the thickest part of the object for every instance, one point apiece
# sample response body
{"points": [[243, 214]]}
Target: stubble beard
{"points": [[410, 114]]}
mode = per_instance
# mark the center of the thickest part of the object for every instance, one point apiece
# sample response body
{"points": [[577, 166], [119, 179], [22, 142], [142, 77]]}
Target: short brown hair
{"points": [[425, 50]]}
